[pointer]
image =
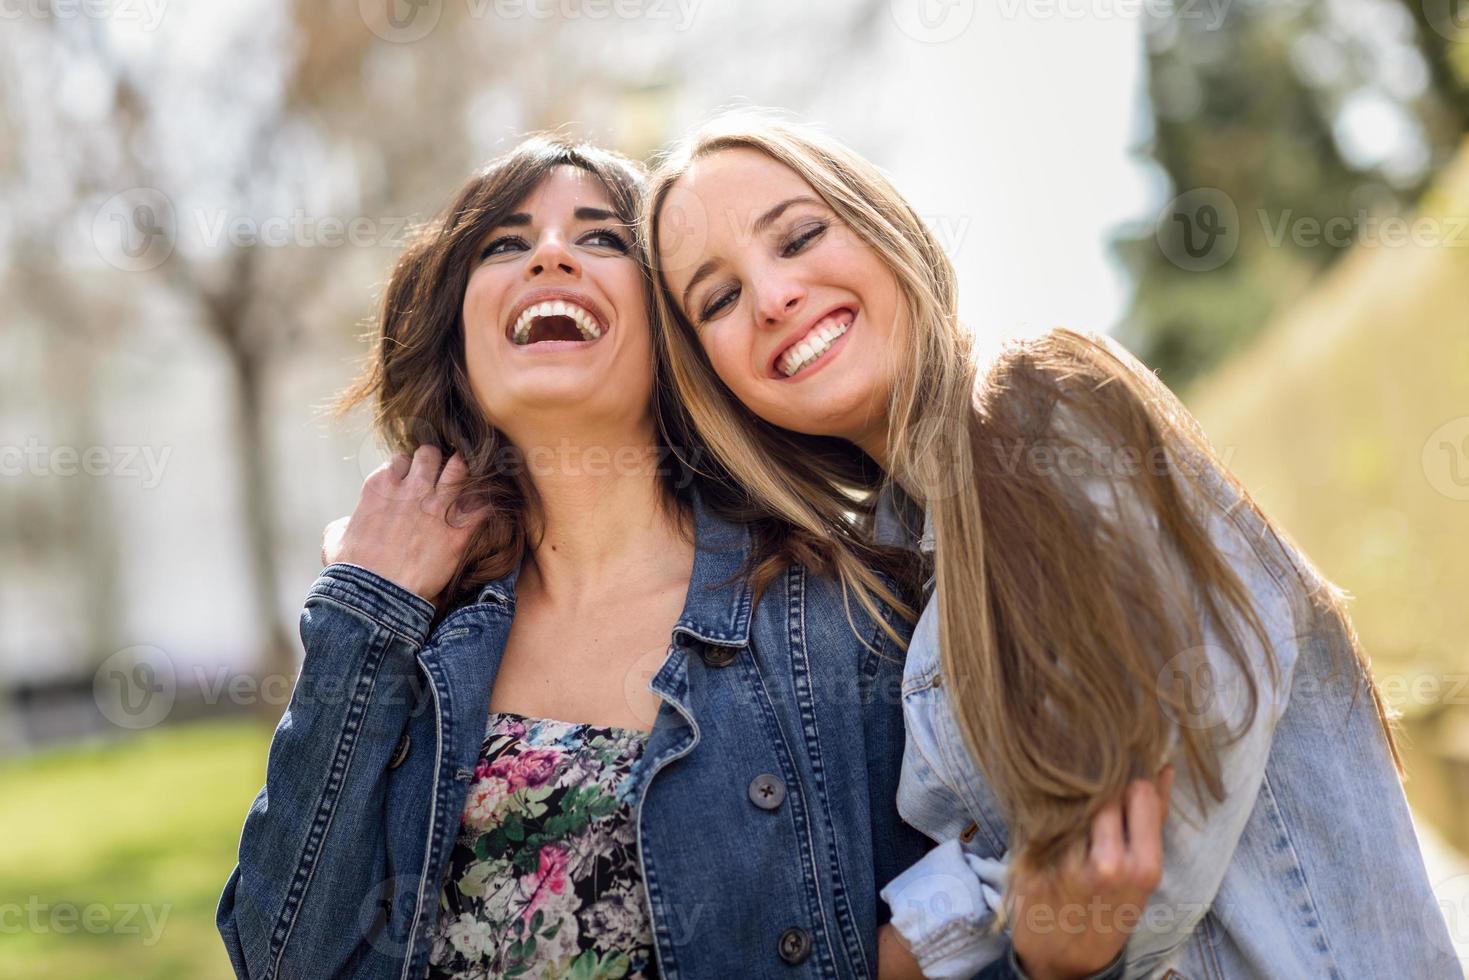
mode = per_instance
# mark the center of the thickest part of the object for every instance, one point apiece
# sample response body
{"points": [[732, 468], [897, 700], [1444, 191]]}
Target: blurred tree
{"points": [[203, 129], [1310, 121]]}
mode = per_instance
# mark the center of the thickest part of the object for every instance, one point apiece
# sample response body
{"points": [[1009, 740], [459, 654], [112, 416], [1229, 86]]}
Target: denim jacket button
{"points": [[717, 656], [795, 945], [400, 752], [767, 791]]}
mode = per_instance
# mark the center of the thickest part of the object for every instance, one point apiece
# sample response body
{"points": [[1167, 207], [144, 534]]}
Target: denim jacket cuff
{"points": [[381, 600], [944, 908]]}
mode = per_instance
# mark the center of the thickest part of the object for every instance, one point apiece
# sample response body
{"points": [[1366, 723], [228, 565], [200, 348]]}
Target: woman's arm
{"points": [[313, 851], [313, 847], [1067, 923]]}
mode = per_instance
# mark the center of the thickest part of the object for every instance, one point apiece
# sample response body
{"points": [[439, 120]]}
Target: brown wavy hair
{"points": [[416, 380]]}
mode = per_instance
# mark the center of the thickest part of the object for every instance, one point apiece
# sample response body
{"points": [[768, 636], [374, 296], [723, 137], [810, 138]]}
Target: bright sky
{"points": [[1013, 144]]}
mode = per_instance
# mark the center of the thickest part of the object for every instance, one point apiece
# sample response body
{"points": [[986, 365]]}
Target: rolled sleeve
{"points": [[944, 907]]}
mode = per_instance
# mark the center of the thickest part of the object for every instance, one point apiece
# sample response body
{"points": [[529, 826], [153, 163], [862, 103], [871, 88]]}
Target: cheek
{"points": [[730, 360]]}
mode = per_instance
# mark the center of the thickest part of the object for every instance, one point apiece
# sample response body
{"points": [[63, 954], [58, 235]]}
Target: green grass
{"points": [[140, 824]]}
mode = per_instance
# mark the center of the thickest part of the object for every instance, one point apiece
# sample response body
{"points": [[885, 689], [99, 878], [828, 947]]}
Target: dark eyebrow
{"points": [[520, 219], [761, 223], [700, 274]]}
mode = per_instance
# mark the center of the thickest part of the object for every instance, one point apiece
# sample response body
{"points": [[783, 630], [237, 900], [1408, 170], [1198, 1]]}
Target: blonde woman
{"points": [[1106, 598]]}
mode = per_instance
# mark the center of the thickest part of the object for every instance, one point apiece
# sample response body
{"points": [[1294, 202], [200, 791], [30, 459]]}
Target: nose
{"points": [[778, 298], [551, 253]]}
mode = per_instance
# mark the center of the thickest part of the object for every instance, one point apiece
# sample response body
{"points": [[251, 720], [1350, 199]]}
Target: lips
{"points": [[557, 316], [809, 343]]}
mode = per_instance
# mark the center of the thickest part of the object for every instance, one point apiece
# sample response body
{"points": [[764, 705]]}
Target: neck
{"points": [[604, 519]]}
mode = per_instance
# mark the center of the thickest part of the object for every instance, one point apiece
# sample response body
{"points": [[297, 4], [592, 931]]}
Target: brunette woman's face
{"points": [[555, 312], [798, 315]]}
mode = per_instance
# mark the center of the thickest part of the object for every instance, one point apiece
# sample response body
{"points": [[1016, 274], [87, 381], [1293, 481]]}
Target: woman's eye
{"points": [[803, 237], [606, 238], [718, 302], [500, 246]]}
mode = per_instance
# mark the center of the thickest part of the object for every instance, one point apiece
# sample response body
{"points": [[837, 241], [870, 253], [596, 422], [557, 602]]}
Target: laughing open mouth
{"points": [[555, 320]]}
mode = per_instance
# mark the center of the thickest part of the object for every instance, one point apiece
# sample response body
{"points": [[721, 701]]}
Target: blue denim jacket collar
{"points": [[717, 609]]}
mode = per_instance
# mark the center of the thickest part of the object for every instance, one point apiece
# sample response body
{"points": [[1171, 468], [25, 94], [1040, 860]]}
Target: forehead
{"points": [[565, 187], [740, 171], [710, 209]]}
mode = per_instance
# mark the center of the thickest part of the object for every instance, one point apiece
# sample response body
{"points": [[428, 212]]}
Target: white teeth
{"points": [[812, 346], [585, 322]]}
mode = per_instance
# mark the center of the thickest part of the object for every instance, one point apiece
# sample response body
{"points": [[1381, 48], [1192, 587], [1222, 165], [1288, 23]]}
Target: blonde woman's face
{"points": [[797, 314]]}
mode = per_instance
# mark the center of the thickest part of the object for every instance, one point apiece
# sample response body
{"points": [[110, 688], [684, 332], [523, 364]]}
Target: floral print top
{"points": [[544, 880]]}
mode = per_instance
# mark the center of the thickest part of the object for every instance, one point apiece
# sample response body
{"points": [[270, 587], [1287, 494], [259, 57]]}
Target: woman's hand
{"points": [[895, 961], [1073, 920], [401, 528]]}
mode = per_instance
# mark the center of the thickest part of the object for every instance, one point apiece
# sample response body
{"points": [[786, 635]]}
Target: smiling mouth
{"points": [[814, 343], [553, 321]]}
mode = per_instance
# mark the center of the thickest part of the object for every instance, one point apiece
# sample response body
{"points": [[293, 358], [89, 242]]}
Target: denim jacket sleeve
{"points": [[303, 858], [957, 891]]}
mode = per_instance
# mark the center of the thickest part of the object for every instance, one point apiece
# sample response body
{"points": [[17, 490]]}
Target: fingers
{"points": [[331, 540], [1145, 810], [399, 465], [455, 470], [427, 461], [1108, 845]]}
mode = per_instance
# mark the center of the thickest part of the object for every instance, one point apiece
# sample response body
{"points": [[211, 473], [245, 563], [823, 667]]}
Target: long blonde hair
{"points": [[1056, 620]]}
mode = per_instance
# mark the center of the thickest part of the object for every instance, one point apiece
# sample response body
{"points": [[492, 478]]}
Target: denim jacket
{"points": [[764, 797], [1310, 866]]}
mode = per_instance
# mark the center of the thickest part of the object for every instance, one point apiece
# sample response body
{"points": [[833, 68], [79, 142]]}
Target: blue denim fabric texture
{"points": [[344, 851], [1310, 867]]}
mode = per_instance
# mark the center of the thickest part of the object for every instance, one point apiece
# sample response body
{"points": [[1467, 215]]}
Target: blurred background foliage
{"points": [[1333, 375]]}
